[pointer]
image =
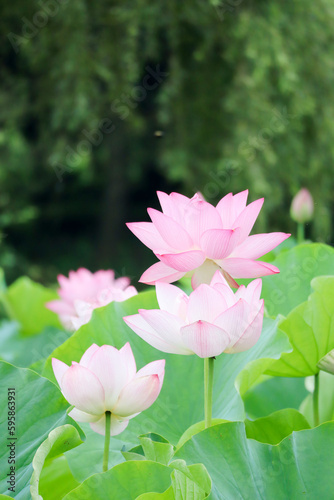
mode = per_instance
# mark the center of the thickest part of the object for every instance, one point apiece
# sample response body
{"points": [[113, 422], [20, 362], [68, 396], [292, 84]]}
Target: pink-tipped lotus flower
{"points": [[302, 206], [106, 379], [191, 235], [210, 321], [83, 291]]}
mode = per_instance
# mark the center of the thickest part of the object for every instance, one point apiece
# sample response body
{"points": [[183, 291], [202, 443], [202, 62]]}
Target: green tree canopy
{"points": [[103, 103]]}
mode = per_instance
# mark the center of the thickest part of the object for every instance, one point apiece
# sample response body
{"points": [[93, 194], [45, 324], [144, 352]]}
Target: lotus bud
{"points": [[302, 207]]}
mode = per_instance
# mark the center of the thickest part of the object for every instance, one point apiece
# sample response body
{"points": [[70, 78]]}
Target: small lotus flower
{"points": [[302, 206], [105, 380], [83, 291], [210, 321], [193, 236]]}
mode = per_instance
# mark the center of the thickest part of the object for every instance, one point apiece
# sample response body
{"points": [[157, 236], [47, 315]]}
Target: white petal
{"points": [[116, 425], [247, 218], [81, 416], [183, 261], [205, 303], [83, 308], [171, 299], [109, 366], [219, 243], [128, 360], [230, 207], [148, 234], [257, 245], [137, 395], [251, 334], [237, 319], [160, 272], [76, 323], [59, 368], [167, 327], [200, 216], [153, 368], [82, 389], [218, 278], [170, 207], [84, 361], [250, 293], [171, 231], [206, 340], [246, 268], [147, 333]]}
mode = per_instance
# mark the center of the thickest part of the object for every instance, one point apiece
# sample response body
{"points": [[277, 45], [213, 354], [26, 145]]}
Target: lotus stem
{"points": [[106, 442], [316, 400], [300, 232], [208, 390]]}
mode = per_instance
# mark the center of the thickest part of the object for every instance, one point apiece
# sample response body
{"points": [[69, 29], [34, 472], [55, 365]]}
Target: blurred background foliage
{"points": [[102, 103]]}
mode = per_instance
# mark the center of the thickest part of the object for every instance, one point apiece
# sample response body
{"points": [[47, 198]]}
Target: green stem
{"points": [[208, 388], [6, 305], [316, 400], [106, 442], [300, 232]]}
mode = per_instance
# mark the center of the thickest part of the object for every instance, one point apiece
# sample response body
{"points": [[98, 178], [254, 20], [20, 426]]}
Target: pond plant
{"points": [[219, 386]]}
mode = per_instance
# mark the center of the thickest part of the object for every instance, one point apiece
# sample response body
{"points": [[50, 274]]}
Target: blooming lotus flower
{"points": [[302, 206], [191, 235], [105, 379], [83, 291], [210, 321]]}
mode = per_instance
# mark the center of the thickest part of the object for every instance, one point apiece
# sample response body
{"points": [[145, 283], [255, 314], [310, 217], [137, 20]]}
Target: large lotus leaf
{"points": [[284, 291], [271, 429], [152, 447], [310, 328], [56, 479], [180, 403], [157, 450], [273, 394], [24, 351], [125, 481], [58, 441], [86, 459], [130, 480], [39, 408], [25, 302], [300, 467], [275, 427], [191, 483]]}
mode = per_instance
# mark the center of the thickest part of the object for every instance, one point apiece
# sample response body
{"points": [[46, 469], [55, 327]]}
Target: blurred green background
{"points": [[102, 103]]}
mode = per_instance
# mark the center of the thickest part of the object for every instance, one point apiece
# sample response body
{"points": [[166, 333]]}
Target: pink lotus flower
{"points": [[210, 321], [83, 291], [193, 235], [302, 206], [105, 379]]}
